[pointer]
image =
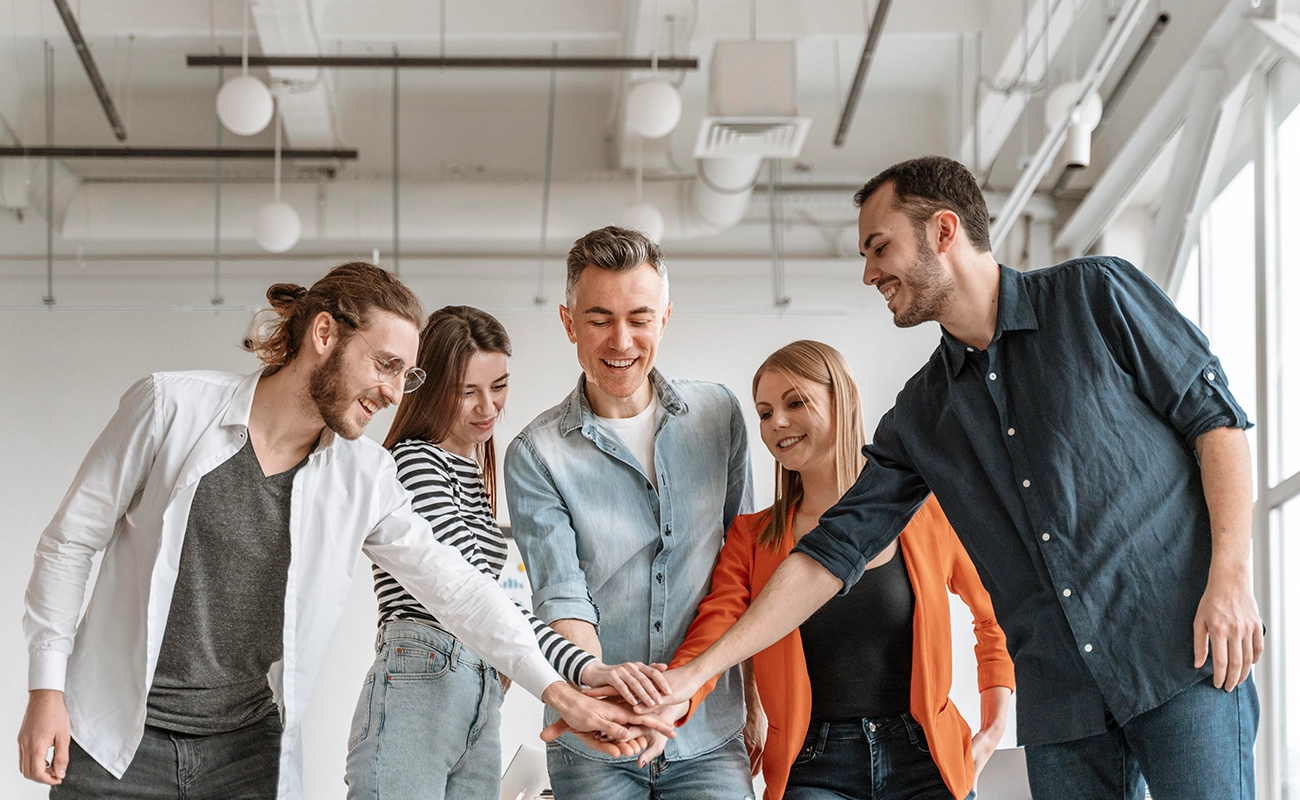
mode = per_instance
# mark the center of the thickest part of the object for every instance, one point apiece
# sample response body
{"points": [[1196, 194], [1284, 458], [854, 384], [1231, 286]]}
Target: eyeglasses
{"points": [[413, 377]]}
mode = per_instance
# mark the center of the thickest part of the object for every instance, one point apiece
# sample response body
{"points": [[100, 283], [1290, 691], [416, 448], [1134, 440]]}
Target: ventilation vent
{"points": [[766, 137]]}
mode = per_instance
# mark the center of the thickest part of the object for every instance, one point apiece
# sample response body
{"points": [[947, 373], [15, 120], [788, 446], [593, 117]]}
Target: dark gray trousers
{"points": [[240, 765]]}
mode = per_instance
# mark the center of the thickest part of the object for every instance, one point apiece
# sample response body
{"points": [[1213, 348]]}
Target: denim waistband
{"points": [[868, 727], [428, 636]]}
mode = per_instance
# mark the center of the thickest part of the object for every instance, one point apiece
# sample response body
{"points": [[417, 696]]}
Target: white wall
{"points": [[65, 369]]}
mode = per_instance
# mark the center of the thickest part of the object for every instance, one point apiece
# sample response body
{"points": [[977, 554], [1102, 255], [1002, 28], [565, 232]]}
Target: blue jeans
{"points": [[720, 774], [869, 759], [428, 722], [1198, 745], [240, 765]]}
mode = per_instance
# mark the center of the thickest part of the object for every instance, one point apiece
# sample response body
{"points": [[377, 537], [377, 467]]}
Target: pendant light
{"points": [[276, 226], [244, 104]]}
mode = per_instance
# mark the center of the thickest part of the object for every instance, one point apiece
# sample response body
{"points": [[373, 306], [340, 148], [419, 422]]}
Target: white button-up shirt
{"points": [[131, 499]]}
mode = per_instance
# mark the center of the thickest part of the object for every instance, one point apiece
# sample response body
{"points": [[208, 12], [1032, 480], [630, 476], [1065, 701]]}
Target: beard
{"points": [[329, 392], [930, 287]]}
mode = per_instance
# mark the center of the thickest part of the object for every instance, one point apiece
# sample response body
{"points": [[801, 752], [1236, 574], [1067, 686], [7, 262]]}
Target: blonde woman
{"points": [[857, 698]]}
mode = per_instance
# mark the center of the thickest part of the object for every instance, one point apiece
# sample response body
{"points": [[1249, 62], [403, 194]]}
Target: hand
{"points": [[505, 683], [995, 710], [615, 723], [683, 683], [755, 734], [631, 747], [669, 714], [636, 683], [982, 745], [1228, 628], [45, 725]]}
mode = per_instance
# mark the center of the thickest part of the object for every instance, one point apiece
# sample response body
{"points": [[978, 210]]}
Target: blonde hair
{"points": [[810, 362]]}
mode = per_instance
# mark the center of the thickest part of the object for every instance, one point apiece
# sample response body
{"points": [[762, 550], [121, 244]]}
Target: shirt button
{"points": [[993, 376], [1047, 537], [660, 577], [659, 626], [1209, 376], [970, 349], [668, 531], [871, 726], [1011, 431], [1025, 483], [1066, 592], [1087, 648]]}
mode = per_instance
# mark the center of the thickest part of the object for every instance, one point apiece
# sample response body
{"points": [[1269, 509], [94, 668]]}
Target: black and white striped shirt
{"points": [[448, 492]]}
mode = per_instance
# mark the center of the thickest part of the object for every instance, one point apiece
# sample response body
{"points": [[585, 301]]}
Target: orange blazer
{"points": [[936, 564]]}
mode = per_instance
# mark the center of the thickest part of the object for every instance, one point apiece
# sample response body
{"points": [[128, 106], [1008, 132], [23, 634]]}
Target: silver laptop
{"points": [[525, 778], [1004, 777]]}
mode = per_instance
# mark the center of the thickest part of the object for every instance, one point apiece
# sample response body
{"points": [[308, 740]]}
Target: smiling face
{"points": [[616, 320], [901, 261], [346, 388], [482, 398], [795, 422]]}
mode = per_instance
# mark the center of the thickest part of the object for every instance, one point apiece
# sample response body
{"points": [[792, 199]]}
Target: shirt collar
{"points": [[1015, 313], [241, 407], [578, 413]]}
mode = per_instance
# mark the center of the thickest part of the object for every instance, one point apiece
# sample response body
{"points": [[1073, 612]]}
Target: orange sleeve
{"points": [[727, 600], [995, 666]]}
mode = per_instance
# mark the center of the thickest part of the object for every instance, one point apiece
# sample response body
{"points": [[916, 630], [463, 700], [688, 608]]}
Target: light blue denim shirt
{"points": [[602, 545]]}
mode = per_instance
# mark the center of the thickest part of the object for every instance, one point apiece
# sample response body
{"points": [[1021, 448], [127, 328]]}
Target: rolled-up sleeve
{"points": [[740, 474], [1168, 358], [871, 513], [543, 529]]}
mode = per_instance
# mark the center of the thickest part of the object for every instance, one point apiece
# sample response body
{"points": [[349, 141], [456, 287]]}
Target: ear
{"points": [[663, 323], [567, 319], [322, 333], [947, 225]]}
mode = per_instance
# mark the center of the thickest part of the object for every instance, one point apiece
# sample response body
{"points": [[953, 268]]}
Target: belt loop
{"points": [[455, 652], [822, 736]]}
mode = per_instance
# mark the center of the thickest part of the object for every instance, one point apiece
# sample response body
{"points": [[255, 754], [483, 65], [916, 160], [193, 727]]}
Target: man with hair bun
{"points": [[230, 511], [619, 497]]}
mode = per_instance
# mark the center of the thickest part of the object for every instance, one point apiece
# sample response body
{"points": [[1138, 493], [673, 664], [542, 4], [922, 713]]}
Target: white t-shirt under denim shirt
{"points": [[638, 435]]}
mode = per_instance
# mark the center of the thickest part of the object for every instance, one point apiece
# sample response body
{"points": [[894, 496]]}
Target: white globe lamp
{"points": [[245, 105], [653, 109], [276, 227], [645, 218], [1084, 116]]}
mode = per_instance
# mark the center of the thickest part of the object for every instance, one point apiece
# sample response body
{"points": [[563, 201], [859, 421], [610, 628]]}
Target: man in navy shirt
{"points": [[1081, 437]]}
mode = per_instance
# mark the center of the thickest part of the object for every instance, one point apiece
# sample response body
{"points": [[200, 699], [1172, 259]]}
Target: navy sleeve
{"points": [[871, 513], [1167, 356]]}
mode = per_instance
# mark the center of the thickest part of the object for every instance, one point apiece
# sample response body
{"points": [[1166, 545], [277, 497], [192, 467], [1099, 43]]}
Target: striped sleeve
{"points": [[568, 659]]}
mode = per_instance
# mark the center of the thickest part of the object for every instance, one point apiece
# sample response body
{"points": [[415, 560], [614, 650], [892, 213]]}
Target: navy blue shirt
{"points": [[1064, 456]]}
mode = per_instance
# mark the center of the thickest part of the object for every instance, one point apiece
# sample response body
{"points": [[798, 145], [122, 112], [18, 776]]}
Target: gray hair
{"points": [[617, 250]]}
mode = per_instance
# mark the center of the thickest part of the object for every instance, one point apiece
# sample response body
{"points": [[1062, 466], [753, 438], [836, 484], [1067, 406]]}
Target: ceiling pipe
{"points": [[1121, 86], [195, 153], [92, 71], [440, 62], [860, 77], [1103, 61]]}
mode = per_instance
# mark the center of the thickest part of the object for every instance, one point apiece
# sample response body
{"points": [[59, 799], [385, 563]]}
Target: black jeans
{"points": [[868, 759], [240, 765]]}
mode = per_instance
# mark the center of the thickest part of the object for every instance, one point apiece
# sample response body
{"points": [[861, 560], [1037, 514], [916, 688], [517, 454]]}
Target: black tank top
{"points": [[859, 647]]}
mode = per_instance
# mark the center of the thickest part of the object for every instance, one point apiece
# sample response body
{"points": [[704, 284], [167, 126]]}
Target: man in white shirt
{"points": [[230, 511]]}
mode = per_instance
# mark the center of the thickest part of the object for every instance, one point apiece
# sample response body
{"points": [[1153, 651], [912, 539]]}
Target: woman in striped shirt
{"points": [[428, 721]]}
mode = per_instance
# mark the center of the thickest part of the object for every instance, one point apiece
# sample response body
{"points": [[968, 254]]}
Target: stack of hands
{"points": [[635, 708]]}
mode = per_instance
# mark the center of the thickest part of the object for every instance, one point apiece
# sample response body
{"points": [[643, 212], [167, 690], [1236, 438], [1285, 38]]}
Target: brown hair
{"points": [[451, 336], [615, 249], [807, 361], [928, 185], [348, 293]]}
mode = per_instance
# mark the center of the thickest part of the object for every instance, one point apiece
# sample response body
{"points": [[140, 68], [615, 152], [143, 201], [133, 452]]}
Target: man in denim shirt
{"points": [[1082, 440], [619, 499]]}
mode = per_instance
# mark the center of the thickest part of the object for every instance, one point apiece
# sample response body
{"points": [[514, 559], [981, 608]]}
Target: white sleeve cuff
{"points": [[534, 674], [47, 669]]}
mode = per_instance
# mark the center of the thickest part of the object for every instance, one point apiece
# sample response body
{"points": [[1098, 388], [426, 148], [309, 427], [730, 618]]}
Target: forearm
{"points": [[581, 633], [799, 587], [995, 708], [1226, 480]]}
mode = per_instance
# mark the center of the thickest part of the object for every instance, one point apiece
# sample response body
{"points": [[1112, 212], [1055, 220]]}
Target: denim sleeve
{"points": [[1167, 356], [871, 513], [740, 474], [543, 529]]}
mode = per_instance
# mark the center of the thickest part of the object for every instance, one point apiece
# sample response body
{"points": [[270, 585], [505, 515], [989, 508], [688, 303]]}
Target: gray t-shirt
{"points": [[226, 624]]}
